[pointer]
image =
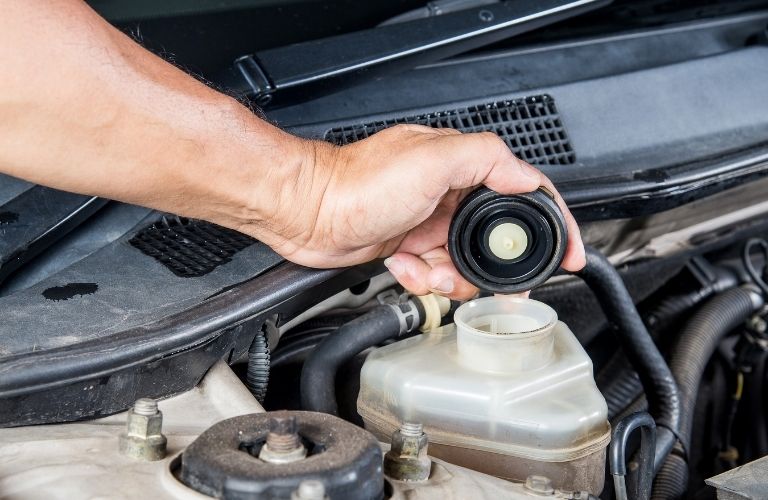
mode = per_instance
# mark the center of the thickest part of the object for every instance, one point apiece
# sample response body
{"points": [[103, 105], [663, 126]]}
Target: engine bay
{"points": [[143, 354]]}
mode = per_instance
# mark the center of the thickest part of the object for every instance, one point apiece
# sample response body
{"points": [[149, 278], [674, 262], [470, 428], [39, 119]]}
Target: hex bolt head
{"points": [[541, 485], [310, 489], [407, 459], [283, 444], [143, 438]]}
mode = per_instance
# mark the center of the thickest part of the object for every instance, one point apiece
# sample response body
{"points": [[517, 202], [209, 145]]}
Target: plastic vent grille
{"points": [[190, 248], [531, 127]]}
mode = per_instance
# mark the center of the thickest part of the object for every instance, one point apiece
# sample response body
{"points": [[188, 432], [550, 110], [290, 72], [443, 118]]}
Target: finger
{"points": [[410, 271], [444, 279], [483, 158], [432, 272], [574, 258]]}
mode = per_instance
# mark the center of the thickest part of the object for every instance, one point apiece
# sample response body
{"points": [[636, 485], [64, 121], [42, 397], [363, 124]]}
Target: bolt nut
{"points": [[143, 438], [407, 459], [541, 485]]}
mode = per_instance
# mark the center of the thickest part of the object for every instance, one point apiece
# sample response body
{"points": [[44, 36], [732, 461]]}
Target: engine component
{"points": [[225, 460], [507, 244], [407, 459], [143, 438], [507, 390]]}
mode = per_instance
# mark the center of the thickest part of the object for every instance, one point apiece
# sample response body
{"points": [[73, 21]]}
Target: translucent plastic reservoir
{"points": [[507, 390]]}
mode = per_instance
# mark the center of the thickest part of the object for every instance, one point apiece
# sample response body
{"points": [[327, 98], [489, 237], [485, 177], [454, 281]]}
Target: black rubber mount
{"points": [[483, 210], [222, 462]]}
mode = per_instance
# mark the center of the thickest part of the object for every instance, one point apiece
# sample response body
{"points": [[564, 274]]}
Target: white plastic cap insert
{"points": [[508, 241]]}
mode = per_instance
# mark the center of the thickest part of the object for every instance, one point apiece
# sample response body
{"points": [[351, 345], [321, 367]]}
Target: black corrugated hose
{"points": [[707, 327], [655, 375], [318, 376], [257, 375], [619, 384]]}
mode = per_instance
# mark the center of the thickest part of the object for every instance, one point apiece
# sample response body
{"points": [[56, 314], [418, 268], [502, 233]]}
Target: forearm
{"points": [[86, 109]]}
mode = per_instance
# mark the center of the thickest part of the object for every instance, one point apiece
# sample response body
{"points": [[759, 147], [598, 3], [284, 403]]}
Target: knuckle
{"points": [[495, 143], [407, 128]]}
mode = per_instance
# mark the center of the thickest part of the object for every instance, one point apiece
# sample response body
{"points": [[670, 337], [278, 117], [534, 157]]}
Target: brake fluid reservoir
{"points": [[506, 390]]}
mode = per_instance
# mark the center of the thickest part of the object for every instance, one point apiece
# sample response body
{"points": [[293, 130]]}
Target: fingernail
{"points": [[529, 170], [444, 285], [395, 266]]}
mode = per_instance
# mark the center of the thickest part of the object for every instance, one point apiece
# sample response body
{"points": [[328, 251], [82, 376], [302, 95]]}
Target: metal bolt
{"points": [[411, 429], [143, 438], [407, 459], [310, 489], [145, 406], [283, 435], [540, 485], [283, 444]]}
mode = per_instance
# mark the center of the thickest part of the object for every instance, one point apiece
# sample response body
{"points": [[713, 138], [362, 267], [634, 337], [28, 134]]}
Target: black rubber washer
{"points": [[481, 211], [222, 462]]}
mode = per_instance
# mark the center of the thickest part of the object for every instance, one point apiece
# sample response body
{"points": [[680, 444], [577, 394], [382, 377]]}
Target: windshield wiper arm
{"points": [[301, 71]]}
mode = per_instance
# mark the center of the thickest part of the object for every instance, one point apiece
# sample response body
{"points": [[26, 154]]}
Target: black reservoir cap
{"points": [[507, 243]]}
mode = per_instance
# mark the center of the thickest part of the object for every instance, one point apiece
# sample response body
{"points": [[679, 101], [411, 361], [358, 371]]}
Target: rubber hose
{"points": [[257, 374], [698, 341], [670, 308], [639, 404], [672, 480], [318, 376], [689, 358], [618, 382], [658, 383]]}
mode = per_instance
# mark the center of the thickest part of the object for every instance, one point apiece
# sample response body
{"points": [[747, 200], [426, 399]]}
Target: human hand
{"points": [[393, 195]]}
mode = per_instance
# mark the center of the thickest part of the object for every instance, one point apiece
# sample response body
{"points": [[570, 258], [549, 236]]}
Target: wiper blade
{"points": [[289, 74]]}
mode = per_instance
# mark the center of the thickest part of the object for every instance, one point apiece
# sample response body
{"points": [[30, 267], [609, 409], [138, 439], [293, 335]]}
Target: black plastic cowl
{"points": [[482, 211]]}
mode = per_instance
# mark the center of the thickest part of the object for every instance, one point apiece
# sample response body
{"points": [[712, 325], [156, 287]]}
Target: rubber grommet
{"points": [[481, 211]]}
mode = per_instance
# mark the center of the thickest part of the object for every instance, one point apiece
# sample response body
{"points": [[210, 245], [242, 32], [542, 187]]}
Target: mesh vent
{"points": [[531, 127], [189, 247]]}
